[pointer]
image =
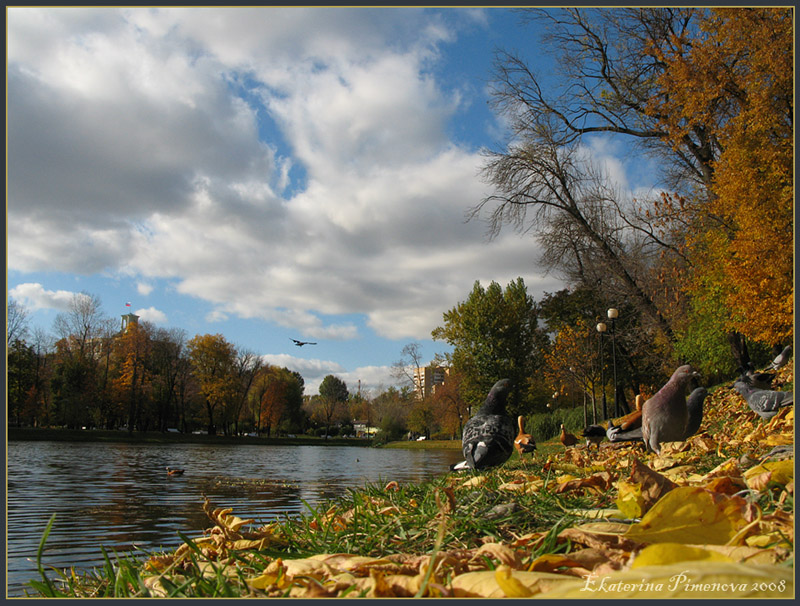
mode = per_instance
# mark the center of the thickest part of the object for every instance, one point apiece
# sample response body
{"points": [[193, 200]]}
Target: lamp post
{"points": [[613, 314], [601, 329]]}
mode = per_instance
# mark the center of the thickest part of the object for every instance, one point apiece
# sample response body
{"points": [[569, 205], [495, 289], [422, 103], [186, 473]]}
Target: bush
{"points": [[544, 426]]}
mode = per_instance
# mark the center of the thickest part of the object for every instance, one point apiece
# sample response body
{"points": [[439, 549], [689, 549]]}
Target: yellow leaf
{"points": [[782, 471], [629, 499], [263, 581], [512, 587], [779, 439], [700, 579], [476, 481], [672, 553], [596, 514], [690, 514], [484, 583]]}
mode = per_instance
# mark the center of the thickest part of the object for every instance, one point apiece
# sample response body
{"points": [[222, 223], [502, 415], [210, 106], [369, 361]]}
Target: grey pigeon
{"points": [[782, 358], [694, 405], [488, 438], [759, 380], [763, 402], [615, 433], [665, 416]]}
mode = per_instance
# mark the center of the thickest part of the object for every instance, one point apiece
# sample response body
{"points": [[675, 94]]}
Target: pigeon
{"points": [[594, 434], [763, 402], [567, 439], [615, 433], [759, 380], [524, 442], [782, 358], [488, 438], [694, 405], [664, 416]]}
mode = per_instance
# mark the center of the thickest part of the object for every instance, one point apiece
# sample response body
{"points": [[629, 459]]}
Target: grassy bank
{"points": [[154, 437], [425, 444], [717, 509]]}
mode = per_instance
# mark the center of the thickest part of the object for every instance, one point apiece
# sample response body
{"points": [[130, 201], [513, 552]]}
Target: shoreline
{"points": [[157, 437]]}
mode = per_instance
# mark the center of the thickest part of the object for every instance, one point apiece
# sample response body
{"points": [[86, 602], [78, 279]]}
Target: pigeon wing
{"points": [[488, 440]]}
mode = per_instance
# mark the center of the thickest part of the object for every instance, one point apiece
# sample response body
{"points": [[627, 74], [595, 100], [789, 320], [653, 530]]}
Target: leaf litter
{"points": [[709, 517]]}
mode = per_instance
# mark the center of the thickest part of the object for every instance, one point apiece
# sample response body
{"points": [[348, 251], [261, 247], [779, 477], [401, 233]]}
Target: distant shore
{"points": [[157, 437]]}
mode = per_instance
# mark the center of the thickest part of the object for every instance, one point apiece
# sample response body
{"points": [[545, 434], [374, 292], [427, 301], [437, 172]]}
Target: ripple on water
{"points": [[118, 495]]}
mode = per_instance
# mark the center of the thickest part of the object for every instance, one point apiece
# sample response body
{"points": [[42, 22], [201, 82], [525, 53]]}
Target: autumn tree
{"points": [[133, 381], [78, 352], [422, 418], [450, 407], [735, 80], [391, 409], [213, 360], [495, 335]]}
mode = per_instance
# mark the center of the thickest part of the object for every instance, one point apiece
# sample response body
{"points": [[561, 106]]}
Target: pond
{"points": [[118, 495]]}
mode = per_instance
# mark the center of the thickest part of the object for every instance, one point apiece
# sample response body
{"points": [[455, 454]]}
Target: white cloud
{"points": [[330, 187], [143, 288], [35, 296], [151, 314]]}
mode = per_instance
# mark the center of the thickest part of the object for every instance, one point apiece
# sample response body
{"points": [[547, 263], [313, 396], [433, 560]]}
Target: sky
{"points": [[266, 173]]}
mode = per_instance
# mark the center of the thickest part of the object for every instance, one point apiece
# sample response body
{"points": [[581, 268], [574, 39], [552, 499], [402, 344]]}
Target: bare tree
{"points": [[406, 369], [83, 322], [552, 188], [16, 321], [608, 63]]}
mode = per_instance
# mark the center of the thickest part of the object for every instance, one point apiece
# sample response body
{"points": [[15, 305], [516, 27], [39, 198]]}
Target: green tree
{"points": [[333, 395], [495, 335]]}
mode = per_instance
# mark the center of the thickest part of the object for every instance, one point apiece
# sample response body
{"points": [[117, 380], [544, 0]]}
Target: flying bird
{"points": [[782, 358], [301, 343], [567, 439], [174, 472], [763, 402], [694, 406], [488, 437], [665, 416], [524, 442], [594, 434]]}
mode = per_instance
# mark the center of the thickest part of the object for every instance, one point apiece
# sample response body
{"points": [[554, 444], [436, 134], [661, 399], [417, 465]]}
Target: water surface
{"points": [[118, 495]]}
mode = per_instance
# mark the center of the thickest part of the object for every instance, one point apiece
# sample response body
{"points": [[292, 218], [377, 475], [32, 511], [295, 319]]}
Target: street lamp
{"points": [[613, 314], [601, 329]]}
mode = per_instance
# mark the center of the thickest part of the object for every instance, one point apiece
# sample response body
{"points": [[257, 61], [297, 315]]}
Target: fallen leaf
{"points": [[782, 472], [700, 579], [690, 514], [484, 583], [629, 499], [672, 553]]}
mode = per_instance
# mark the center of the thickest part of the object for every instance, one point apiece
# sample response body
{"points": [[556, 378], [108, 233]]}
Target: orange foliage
{"points": [[733, 85]]}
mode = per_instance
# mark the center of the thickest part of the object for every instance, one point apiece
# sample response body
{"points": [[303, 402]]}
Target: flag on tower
{"points": [[128, 304]]}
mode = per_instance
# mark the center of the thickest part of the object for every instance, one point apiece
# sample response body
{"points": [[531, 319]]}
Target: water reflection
{"points": [[119, 496]]}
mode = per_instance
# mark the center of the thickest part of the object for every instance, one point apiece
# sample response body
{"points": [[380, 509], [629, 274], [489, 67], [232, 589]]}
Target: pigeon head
{"points": [[495, 403], [684, 374]]}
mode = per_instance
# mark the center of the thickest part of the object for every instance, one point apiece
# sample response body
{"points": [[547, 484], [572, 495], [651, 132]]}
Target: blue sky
{"points": [[263, 173]]}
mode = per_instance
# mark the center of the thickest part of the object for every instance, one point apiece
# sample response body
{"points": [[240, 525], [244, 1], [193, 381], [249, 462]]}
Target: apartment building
{"points": [[427, 378]]}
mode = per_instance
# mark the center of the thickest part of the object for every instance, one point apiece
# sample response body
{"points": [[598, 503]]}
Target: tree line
{"points": [[700, 269]]}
